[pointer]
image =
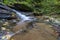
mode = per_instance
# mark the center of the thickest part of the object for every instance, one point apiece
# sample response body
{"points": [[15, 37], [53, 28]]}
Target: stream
{"points": [[23, 18]]}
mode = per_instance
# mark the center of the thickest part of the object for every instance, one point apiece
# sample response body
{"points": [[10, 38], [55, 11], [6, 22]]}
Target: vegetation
{"points": [[39, 6]]}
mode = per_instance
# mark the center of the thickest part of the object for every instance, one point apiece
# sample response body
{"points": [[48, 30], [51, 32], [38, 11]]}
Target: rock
{"points": [[5, 12], [5, 16]]}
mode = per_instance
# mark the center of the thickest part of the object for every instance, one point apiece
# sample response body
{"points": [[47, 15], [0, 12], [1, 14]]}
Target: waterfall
{"points": [[23, 17]]}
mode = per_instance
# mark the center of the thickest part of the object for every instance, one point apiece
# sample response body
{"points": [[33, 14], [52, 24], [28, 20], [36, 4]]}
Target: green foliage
{"points": [[41, 6]]}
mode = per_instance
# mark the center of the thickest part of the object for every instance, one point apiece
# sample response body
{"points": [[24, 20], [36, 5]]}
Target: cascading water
{"points": [[23, 19]]}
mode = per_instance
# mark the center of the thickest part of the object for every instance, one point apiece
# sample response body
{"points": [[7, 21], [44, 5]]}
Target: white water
{"points": [[23, 17]]}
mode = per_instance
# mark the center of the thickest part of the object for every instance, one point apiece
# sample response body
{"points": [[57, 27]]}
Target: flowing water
{"points": [[23, 19]]}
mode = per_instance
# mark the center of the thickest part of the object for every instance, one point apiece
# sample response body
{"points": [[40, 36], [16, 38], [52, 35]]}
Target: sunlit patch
{"points": [[3, 28], [6, 23]]}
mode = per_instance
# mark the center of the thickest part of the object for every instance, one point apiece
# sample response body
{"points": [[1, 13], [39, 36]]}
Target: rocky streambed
{"points": [[15, 25], [9, 19]]}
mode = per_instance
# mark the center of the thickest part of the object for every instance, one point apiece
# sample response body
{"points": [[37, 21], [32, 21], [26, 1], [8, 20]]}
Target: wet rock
{"points": [[5, 16], [5, 12]]}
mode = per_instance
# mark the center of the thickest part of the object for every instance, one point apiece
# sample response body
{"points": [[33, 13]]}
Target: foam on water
{"points": [[23, 17]]}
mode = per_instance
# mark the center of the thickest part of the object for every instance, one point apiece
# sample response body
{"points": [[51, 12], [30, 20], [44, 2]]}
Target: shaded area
{"points": [[21, 7]]}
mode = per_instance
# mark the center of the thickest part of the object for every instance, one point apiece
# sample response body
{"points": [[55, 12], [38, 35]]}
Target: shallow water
{"points": [[23, 18]]}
